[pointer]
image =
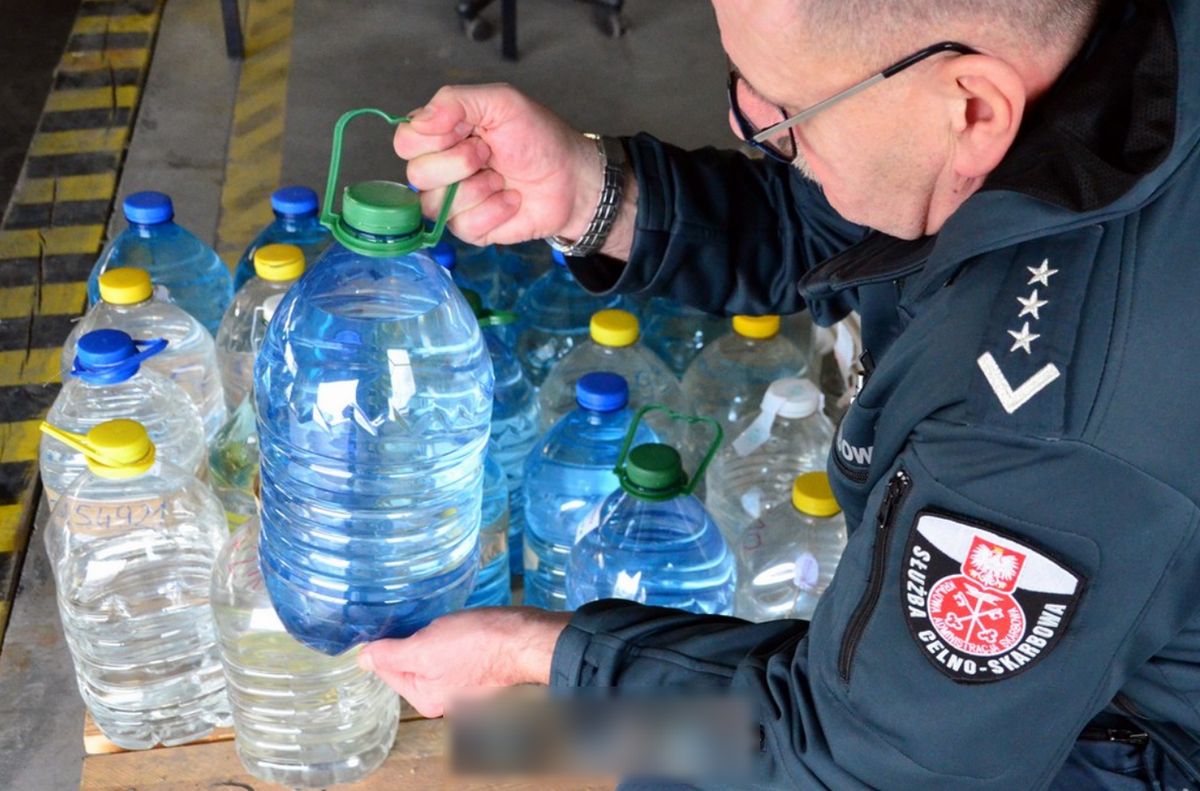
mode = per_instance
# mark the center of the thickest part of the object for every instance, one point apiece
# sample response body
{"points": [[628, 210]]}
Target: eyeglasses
{"points": [[777, 140]]}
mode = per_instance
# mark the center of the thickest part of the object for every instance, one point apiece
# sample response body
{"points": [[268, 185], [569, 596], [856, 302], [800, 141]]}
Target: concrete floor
{"points": [[666, 76]]}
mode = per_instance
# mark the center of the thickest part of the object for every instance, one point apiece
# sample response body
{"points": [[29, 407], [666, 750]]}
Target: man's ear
{"points": [[986, 98]]}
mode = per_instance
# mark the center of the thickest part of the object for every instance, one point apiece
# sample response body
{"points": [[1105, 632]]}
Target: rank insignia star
{"points": [[1024, 339], [1041, 274], [1031, 305]]}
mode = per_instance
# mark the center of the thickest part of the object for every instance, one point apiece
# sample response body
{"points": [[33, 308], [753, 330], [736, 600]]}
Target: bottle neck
{"points": [[295, 223], [146, 230]]}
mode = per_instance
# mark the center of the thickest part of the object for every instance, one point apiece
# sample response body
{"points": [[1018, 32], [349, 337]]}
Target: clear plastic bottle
{"points": [[567, 475], [515, 425], [493, 586], [787, 559], [128, 303], [131, 543], [553, 317], [677, 333], [107, 383], [296, 222], [613, 346], [754, 471], [233, 465], [729, 377], [374, 399], [301, 719], [194, 277], [277, 267], [652, 542]]}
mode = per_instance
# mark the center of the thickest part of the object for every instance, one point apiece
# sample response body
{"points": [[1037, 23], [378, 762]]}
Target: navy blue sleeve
{"points": [[720, 232], [998, 595]]}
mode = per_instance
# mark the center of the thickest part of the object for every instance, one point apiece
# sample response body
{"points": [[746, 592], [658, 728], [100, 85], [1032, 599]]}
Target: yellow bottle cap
{"points": [[279, 262], [758, 327], [125, 286], [114, 449], [811, 495], [614, 328]]}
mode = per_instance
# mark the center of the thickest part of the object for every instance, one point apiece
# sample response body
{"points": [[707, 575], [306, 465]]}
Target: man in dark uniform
{"points": [[1008, 193]]}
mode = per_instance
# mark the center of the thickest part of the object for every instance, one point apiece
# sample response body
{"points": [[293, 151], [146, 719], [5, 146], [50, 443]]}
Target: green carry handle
{"points": [[403, 244], [687, 486]]}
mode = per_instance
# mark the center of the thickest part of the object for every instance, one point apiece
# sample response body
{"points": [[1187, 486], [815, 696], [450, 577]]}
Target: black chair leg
{"points": [[231, 18], [508, 27]]}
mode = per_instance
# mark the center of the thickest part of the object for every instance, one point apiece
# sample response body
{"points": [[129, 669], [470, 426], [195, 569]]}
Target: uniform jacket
{"points": [[1021, 468]]}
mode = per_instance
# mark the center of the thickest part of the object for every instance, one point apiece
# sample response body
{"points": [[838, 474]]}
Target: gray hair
{"points": [[1039, 27]]}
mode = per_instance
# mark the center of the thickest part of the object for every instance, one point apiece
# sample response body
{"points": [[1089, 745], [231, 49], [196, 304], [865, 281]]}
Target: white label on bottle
{"points": [[264, 619], [101, 571], [752, 502], [807, 572], [589, 523]]}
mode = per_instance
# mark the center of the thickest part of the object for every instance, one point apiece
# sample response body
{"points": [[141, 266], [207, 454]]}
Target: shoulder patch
{"points": [[981, 606], [1030, 337]]}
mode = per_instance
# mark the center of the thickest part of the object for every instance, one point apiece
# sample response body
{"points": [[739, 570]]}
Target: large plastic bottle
{"points": [[131, 544], [567, 475], [515, 425], [195, 278], [728, 378], [297, 222], [108, 383], [651, 541], [753, 472], [787, 559], [127, 302], [374, 399], [277, 267], [493, 586], [677, 333], [613, 346], [301, 719], [554, 315]]}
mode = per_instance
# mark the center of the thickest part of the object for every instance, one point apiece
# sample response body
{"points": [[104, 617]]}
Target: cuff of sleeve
{"points": [[569, 665], [601, 274]]}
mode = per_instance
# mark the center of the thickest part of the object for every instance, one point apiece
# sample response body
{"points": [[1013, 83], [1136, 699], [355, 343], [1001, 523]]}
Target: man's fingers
{"points": [[454, 164], [391, 657], [411, 142], [474, 191], [476, 224]]}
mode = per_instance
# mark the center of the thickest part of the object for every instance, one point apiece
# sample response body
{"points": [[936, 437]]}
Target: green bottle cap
{"points": [[381, 208], [654, 472]]}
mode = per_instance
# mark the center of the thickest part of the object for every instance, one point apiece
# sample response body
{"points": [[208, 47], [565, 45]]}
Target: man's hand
{"points": [[467, 652], [523, 173]]}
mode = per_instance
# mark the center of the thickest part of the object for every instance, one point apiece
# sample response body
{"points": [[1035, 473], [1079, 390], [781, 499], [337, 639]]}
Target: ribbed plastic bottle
{"points": [[374, 399], [612, 346], [677, 333], [301, 719], [131, 544], [567, 475], [729, 377], [233, 464], [787, 559], [297, 222], [277, 267], [753, 473], [651, 541], [107, 383], [515, 425], [554, 316], [128, 303], [194, 277], [493, 586]]}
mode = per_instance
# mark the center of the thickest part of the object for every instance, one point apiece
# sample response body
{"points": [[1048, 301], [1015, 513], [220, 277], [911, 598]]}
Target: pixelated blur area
{"points": [[673, 735]]}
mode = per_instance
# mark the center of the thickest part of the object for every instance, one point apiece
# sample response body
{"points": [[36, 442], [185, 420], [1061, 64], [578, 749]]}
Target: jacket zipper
{"points": [[897, 489]]}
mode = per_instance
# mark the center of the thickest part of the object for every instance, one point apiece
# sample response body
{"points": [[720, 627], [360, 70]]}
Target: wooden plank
{"points": [[417, 761]]}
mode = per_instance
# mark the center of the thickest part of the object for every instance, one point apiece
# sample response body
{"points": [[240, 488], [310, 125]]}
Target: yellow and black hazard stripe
{"points": [[52, 232]]}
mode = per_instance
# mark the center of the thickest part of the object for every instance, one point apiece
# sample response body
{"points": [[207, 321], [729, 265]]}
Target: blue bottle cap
{"points": [[558, 257], [148, 208], [294, 201], [110, 356], [443, 252], [602, 391]]}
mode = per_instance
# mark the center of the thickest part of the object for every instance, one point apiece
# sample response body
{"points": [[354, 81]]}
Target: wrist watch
{"points": [[612, 160]]}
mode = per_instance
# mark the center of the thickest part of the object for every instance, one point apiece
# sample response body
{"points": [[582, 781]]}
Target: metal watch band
{"points": [[612, 160]]}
